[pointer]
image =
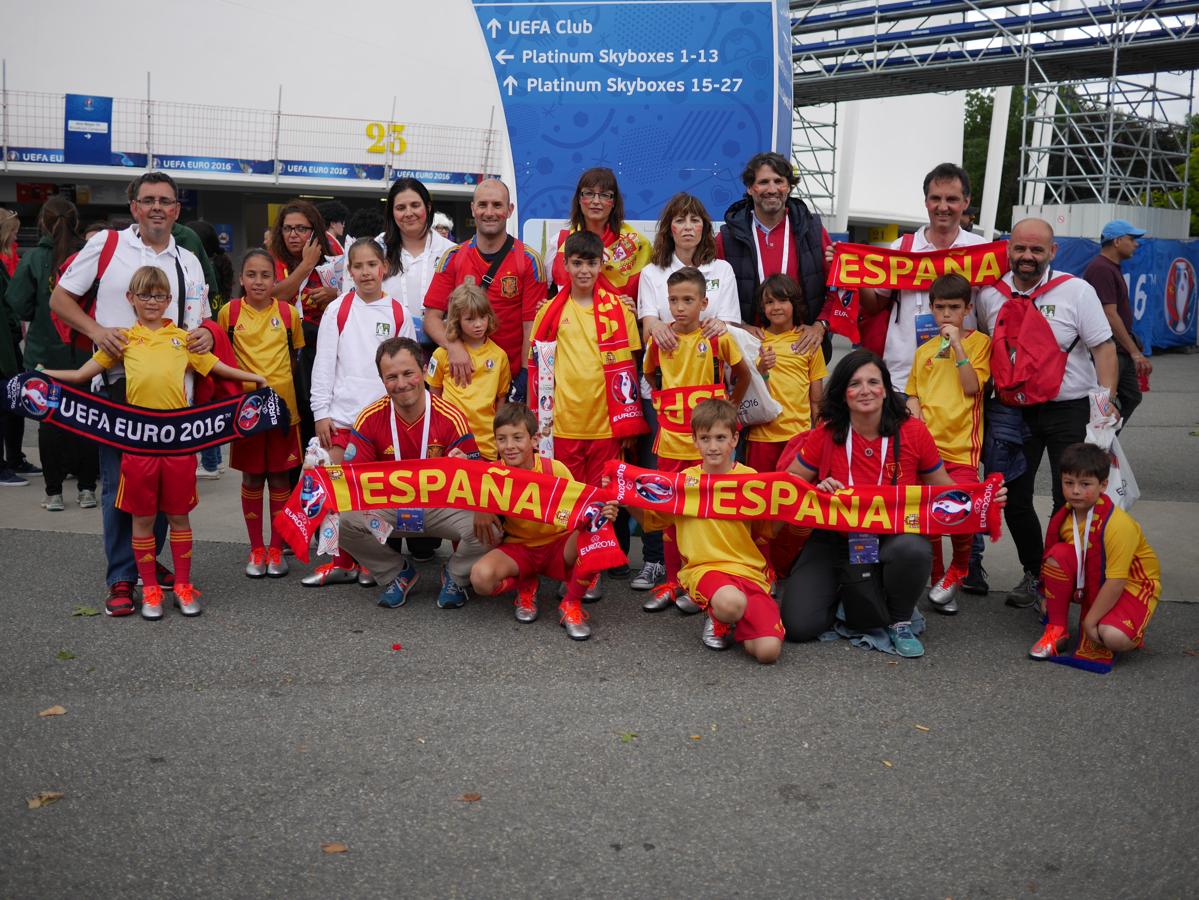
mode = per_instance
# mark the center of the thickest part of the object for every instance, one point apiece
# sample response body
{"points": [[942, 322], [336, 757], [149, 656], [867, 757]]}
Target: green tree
{"points": [[975, 138], [1174, 199]]}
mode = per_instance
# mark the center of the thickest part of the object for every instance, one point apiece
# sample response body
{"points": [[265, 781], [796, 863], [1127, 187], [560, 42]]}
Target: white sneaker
{"points": [[651, 575], [202, 472]]}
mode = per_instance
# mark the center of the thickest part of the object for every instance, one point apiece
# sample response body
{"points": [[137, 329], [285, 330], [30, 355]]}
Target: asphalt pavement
{"points": [[459, 753]]}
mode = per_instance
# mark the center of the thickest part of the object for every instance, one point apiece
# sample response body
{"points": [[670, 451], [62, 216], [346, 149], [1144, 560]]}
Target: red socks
{"points": [[278, 499], [576, 587], [251, 510], [1057, 582], [145, 554], [181, 555], [505, 585]]}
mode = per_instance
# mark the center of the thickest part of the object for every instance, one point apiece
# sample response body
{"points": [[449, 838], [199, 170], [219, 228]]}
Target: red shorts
{"points": [[962, 473], [671, 466], [1130, 615], [277, 450], [153, 484], [586, 459], [341, 437], [546, 559], [763, 456], [761, 618]]}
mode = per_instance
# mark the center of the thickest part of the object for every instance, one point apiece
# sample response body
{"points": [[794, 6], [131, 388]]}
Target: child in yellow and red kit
{"points": [[470, 319], [156, 361], [530, 549], [946, 390], [265, 335], [724, 571], [688, 373]]}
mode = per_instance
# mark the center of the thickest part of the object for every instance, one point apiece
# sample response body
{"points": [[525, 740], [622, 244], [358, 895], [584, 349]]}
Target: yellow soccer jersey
{"points": [[691, 364], [156, 362], [713, 545], [790, 384], [492, 379], [1127, 554], [580, 411], [526, 531], [260, 345], [954, 420]]}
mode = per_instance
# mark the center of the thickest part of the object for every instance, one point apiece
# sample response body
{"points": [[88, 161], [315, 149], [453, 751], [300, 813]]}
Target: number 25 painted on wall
{"points": [[379, 133]]}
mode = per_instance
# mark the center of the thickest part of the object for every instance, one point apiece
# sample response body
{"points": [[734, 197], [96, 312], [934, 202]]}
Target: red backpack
{"points": [[87, 302], [1027, 364], [343, 313]]}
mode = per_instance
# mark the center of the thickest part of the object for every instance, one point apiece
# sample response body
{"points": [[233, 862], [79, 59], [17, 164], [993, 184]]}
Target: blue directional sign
{"points": [[672, 96], [87, 130]]}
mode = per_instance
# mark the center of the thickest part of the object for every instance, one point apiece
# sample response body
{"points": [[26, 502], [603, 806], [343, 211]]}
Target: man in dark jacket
{"points": [[767, 232]]}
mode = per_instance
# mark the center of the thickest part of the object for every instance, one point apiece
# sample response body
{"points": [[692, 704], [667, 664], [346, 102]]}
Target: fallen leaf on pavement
{"points": [[53, 711], [627, 737], [695, 737], [887, 763], [471, 798], [334, 847], [420, 740], [44, 798], [85, 611], [65, 654], [922, 728]]}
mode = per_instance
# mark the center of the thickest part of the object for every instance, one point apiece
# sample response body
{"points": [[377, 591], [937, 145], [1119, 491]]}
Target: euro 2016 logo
{"points": [[653, 487], [250, 413], [593, 517], [37, 397], [951, 508], [312, 497], [1180, 296], [624, 389]]}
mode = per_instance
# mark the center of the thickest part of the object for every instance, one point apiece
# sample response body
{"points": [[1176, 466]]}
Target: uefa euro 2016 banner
{"points": [[153, 432]]}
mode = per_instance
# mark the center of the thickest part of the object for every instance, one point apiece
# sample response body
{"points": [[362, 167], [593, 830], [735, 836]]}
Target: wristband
{"points": [[958, 363]]}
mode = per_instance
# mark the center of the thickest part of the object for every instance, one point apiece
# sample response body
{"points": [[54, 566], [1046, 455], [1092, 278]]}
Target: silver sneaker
{"points": [[330, 574], [366, 579], [717, 636], [685, 604], [187, 598], [526, 603], [257, 564], [660, 598], [595, 592], [651, 575], [574, 620], [943, 595], [53, 503], [87, 500], [152, 604], [276, 565]]}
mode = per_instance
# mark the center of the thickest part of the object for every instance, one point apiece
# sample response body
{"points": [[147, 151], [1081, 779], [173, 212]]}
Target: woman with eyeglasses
{"points": [[598, 207], [299, 243]]}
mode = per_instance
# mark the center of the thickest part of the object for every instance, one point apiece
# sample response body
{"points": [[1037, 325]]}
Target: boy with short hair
{"points": [[945, 389], [596, 403], [725, 571], [1115, 575], [687, 375], [530, 548]]}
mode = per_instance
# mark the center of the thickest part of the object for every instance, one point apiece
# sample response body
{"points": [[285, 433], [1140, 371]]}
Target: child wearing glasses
{"points": [[156, 360]]}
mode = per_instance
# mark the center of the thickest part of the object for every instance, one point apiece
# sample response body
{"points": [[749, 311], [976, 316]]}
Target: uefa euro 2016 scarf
{"points": [[154, 432], [856, 266]]}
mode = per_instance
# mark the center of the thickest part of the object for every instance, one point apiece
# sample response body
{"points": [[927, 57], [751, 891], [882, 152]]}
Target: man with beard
{"points": [[1076, 317], [512, 274]]}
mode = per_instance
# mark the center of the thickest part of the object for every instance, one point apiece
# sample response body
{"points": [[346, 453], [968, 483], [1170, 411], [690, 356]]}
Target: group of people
{"points": [[619, 348]]}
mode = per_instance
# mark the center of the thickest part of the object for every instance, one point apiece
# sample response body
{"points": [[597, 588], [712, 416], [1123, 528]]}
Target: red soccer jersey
{"points": [[917, 456], [515, 293], [370, 439]]}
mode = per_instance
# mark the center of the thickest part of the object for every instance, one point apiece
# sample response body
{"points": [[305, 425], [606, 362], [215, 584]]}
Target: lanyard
{"points": [[421, 278], [1080, 548], [786, 247], [424, 438], [849, 456]]}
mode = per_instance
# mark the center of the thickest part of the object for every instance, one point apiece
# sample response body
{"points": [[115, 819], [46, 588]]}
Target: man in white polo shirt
{"points": [[1076, 317], [154, 205]]}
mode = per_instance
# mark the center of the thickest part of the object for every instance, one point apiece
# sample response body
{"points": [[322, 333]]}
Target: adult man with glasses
{"points": [[154, 205]]}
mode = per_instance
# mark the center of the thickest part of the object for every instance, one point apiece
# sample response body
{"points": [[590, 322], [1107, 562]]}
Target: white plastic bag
{"points": [[757, 406], [332, 272], [1101, 431]]}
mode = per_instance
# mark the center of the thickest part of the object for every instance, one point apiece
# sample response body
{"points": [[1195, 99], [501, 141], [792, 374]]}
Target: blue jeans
{"points": [[118, 526], [210, 458]]}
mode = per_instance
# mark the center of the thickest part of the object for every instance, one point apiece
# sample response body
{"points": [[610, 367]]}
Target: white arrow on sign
{"points": [[509, 83], [493, 26], [503, 56]]}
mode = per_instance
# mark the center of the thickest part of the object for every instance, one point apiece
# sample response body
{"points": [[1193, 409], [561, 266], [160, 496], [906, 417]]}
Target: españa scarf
{"points": [[888, 509], [857, 266], [154, 432], [626, 253], [454, 484], [1095, 562], [620, 373]]}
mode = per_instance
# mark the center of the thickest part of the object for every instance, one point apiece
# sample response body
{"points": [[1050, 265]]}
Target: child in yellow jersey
{"points": [[1096, 555], [688, 372], [795, 380], [156, 361], [265, 335], [470, 319], [946, 389], [725, 572], [529, 548]]}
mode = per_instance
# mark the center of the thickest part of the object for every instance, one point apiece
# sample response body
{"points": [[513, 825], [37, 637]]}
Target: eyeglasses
{"points": [[153, 298], [296, 229], [149, 202], [605, 196]]}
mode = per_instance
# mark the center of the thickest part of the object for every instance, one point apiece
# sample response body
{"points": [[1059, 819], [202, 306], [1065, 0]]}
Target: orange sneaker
{"points": [[1050, 643], [574, 620], [276, 565], [256, 566], [526, 601], [187, 598], [152, 603]]}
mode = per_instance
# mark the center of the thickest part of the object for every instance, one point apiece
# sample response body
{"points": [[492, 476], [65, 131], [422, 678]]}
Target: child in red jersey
{"points": [[156, 360], [529, 548], [266, 336]]}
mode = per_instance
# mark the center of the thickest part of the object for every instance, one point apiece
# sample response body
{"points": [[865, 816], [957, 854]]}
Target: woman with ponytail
{"points": [[29, 297]]}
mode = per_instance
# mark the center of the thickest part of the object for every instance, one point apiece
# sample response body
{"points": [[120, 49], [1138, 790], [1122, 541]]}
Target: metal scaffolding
{"points": [[814, 155]]}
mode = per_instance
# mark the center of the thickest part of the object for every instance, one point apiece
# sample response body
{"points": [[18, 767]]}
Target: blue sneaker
{"points": [[452, 596], [906, 644], [397, 592]]}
